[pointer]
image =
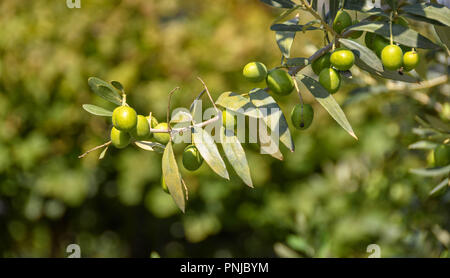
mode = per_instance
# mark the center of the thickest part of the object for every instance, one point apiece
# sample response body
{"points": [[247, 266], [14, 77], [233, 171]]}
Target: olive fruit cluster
{"points": [[127, 124], [327, 66], [278, 80], [393, 57]]}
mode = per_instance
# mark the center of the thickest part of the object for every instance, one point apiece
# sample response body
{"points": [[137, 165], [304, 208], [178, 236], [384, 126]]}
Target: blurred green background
{"points": [[331, 198]]}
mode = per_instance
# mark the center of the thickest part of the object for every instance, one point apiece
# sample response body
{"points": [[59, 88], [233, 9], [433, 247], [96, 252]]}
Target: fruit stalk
{"points": [[95, 148]]}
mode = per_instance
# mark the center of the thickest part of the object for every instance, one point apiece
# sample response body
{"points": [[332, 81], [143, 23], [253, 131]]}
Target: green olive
{"points": [[302, 116], [368, 39], [442, 155], [119, 139], [162, 137], [330, 80], [342, 59], [392, 57], [341, 21], [192, 160], [124, 118], [320, 63], [410, 60], [142, 129], [255, 71], [280, 82]]}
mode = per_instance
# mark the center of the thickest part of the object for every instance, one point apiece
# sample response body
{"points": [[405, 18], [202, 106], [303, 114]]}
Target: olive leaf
{"points": [[272, 114], [208, 150], [97, 110], [444, 184], [285, 39], [172, 176], [117, 85], [444, 34], [103, 153], [104, 90], [389, 74], [402, 35], [285, 14], [423, 145], [235, 154], [431, 172], [292, 28], [365, 54], [286, 4], [365, 6], [181, 116], [429, 10], [327, 101], [269, 142], [150, 146], [238, 104], [423, 19], [299, 61]]}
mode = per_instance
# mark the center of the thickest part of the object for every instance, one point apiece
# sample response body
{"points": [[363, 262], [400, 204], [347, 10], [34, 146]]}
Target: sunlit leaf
{"points": [[327, 101], [97, 110], [423, 145], [402, 35], [235, 155], [172, 177], [272, 115], [104, 90], [103, 153], [285, 39], [431, 172], [441, 187], [208, 150], [238, 104], [269, 142], [365, 54], [181, 117], [429, 10], [150, 146]]}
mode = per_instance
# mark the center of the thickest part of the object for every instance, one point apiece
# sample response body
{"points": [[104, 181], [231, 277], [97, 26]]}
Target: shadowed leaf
{"points": [[172, 177], [208, 149], [389, 74], [238, 104], [235, 154], [429, 10], [104, 90], [286, 4], [365, 54], [327, 101], [285, 39]]}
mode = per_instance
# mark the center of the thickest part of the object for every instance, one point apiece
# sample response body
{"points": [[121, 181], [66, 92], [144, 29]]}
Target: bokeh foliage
{"points": [[332, 197]]}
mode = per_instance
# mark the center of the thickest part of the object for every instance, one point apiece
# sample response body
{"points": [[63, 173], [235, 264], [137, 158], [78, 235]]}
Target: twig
{"points": [[316, 15], [168, 104], [96, 148]]}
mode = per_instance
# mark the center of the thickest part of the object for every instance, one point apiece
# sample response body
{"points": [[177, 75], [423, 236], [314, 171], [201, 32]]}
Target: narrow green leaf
{"points": [[272, 114], [181, 117], [238, 104], [294, 62], [365, 6], [402, 35], [423, 145], [268, 142], [429, 10], [208, 149], [236, 155], [172, 177], [117, 85], [438, 124], [423, 19], [285, 14], [104, 90], [103, 153], [389, 74], [365, 54], [285, 4], [443, 34], [431, 172], [292, 28], [97, 110], [285, 39], [150, 146], [327, 101], [441, 187]]}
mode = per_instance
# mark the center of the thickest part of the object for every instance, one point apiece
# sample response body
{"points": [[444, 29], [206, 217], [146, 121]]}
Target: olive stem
{"points": [[124, 99], [316, 15], [168, 105], [95, 148], [390, 29]]}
